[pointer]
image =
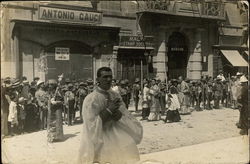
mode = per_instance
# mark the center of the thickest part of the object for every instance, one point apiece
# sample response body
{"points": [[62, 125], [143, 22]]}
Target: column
{"points": [[15, 61], [113, 64], [159, 61], [196, 58]]}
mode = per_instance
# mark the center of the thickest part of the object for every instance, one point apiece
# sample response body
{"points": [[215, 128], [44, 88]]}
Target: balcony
{"points": [[189, 8]]}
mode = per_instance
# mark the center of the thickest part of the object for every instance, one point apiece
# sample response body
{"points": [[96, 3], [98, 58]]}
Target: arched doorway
{"points": [[79, 65], [177, 55]]}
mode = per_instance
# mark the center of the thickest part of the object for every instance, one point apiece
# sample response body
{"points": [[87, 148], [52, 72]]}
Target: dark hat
{"points": [[36, 78], [6, 80], [193, 82], [33, 83], [187, 80], [137, 80]]}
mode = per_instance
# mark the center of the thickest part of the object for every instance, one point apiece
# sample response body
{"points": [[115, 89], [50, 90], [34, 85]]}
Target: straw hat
{"points": [[39, 82], [243, 79], [239, 74]]}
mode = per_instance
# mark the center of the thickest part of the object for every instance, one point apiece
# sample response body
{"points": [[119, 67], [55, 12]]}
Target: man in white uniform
{"points": [[110, 133]]}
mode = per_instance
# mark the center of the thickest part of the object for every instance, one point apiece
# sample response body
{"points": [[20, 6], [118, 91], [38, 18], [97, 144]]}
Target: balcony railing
{"points": [[191, 8]]}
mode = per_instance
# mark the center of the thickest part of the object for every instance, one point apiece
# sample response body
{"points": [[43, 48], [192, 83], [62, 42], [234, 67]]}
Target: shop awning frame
{"points": [[234, 57]]}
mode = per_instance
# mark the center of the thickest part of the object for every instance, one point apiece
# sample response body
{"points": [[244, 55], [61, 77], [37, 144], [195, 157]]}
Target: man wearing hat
{"points": [[217, 93], [136, 92], [81, 94], [238, 86], [69, 100], [42, 100], [90, 85], [124, 92], [36, 79], [129, 90], [221, 76], [243, 101], [184, 97]]}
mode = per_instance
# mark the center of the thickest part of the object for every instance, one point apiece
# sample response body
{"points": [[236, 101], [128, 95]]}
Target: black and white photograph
{"points": [[125, 82]]}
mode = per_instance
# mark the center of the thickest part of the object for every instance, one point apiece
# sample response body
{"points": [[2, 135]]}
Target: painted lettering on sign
{"points": [[66, 15], [136, 41], [61, 53]]}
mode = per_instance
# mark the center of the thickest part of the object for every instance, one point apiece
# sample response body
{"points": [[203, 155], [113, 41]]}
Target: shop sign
{"points": [[61, 53], [136, 41], [68, 15]]}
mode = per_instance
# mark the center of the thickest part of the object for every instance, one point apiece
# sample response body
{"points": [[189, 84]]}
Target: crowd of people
{"points": [[39, 105], [168, 100]]}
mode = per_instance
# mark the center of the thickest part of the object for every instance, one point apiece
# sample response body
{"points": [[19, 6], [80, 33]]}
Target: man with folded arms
{"points": [[110, 133]]}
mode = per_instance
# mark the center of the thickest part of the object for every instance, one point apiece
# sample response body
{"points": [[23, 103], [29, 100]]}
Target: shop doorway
{"points": [[132, 64], [78, 66], [177, 56]]}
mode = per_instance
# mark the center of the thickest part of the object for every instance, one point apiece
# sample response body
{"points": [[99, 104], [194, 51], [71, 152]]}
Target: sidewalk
{"points": [[227, 151]]}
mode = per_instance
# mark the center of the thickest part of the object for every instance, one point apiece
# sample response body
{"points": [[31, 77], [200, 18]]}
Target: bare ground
{"points": [[199, 127]]}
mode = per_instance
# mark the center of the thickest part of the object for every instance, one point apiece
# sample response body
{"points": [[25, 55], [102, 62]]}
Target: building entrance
{"points": [[132, 64], [79, 65], [177, 56]]}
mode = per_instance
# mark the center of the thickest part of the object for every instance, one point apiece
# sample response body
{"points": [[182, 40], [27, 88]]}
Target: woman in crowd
{"points": [[146, 101], [172, 106], [155, 102], [55, 105]]}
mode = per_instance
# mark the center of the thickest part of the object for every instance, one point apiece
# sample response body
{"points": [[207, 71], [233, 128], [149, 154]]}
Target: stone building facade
{"points": [[135, 38]]}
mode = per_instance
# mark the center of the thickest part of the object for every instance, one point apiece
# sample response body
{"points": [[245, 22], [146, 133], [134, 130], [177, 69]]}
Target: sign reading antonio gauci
{"points": [[61, 53], [68, 15], [136, 41]]}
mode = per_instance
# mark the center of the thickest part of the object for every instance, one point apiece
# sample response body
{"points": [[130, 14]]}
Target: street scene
{"points": [[125, 82]]}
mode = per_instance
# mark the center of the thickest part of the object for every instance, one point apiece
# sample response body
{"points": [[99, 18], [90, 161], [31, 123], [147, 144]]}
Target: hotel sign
{"points": [[68, 15], [136, 41]]}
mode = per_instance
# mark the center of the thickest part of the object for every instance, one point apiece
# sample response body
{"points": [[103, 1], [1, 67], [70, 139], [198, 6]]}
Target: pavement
{"points": [[233, 150]]}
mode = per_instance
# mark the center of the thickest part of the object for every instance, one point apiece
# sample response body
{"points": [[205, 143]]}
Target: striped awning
{"points": [[234, 57]]}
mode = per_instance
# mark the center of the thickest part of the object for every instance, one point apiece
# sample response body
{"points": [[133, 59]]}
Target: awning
{"points": [[234, 58]]}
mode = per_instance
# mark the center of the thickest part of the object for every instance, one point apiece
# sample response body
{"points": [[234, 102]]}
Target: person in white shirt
{"points": [[110, 133]]}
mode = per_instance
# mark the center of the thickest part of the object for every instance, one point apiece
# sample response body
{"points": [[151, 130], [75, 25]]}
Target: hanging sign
{"points": [[61, 53], [68, 15], [136, 41]]}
